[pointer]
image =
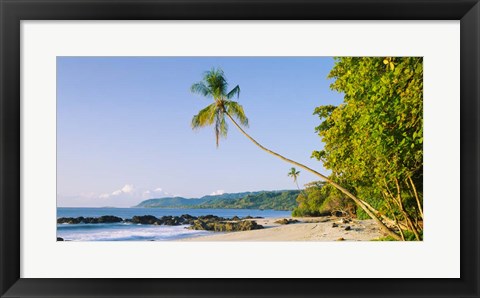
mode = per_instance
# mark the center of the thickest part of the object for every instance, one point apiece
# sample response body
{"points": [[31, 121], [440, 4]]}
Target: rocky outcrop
{"points": [[251, 217], [144, 220], [89, 220], [225, 226], [70, 220], [107, 219], [205, 222], [285, 221]]}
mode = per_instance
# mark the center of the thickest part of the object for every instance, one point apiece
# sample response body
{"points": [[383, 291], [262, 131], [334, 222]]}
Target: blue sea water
{"points": [[137, 232]]}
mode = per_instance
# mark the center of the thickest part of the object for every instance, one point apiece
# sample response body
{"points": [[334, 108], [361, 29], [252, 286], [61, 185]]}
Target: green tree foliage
{"points": [[280, 200], [275, 200], [320, 198], [374, 139], [214, 86]]}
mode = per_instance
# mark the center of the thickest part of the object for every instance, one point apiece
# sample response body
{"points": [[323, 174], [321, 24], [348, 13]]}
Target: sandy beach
{"points": [[306, 229]]}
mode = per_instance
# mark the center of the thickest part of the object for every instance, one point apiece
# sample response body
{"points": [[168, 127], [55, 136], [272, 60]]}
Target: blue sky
{"points": [[124, 135]]}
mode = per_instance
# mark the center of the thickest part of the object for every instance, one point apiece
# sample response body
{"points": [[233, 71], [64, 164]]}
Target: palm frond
{"points": [[201, 88], [216, 82], [223, 126], [294, 174], [213, 73], [233, 92], [205, 117], [236, 110]]}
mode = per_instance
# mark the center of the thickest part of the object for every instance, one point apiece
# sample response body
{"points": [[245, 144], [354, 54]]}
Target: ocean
{"points": [[138, 232]]}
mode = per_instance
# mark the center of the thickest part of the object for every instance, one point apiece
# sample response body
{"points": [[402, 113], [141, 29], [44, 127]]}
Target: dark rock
{"points": [[348, 228], [88, 220], [171, 220], [109, 219], [189, 221], [200, 225], [146, 220], [341, 239], [247, 225], [285, 221], [223, 226], [334, 225], [60, 239], [70, 220], [187, 217], [211, 218]]}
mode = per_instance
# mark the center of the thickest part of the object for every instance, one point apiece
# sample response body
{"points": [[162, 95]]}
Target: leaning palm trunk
{"points": [[301, 190], [359, 202]]}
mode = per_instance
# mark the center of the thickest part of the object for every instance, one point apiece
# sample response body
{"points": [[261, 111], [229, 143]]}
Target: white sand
{"points": [[307, 229]]}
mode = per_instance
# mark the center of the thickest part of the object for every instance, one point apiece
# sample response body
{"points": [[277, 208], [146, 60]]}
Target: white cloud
{"points": [[126, 196], [218, 192], [128, 188]]}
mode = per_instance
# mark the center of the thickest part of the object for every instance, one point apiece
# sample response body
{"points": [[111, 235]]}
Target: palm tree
{"points": [[215, 86], [294, 174]]}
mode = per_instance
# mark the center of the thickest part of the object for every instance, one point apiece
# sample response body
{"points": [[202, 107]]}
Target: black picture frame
{"points": [[12, 12]]}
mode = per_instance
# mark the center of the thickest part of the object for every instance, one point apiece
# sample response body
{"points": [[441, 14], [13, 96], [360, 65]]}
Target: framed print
{"points": [[239, 149]]}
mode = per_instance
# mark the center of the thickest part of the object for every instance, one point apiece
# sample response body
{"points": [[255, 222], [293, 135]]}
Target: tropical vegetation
{"points": [[320, 198], [273, 200], [373, 141]]}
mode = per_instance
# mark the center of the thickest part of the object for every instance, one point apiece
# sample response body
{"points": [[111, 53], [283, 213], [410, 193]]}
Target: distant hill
{"points": [[276, 200]]}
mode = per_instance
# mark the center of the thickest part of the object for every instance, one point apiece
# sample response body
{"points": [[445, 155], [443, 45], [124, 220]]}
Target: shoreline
{"points": [[326, 228], [246, 229]]}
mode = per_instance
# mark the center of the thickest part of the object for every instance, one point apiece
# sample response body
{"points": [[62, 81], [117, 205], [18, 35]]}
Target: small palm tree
{"points": [[215, 86], [294, 174]]}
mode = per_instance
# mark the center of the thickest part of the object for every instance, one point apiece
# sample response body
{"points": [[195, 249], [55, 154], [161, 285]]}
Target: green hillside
{"points": [[276, 200]]}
